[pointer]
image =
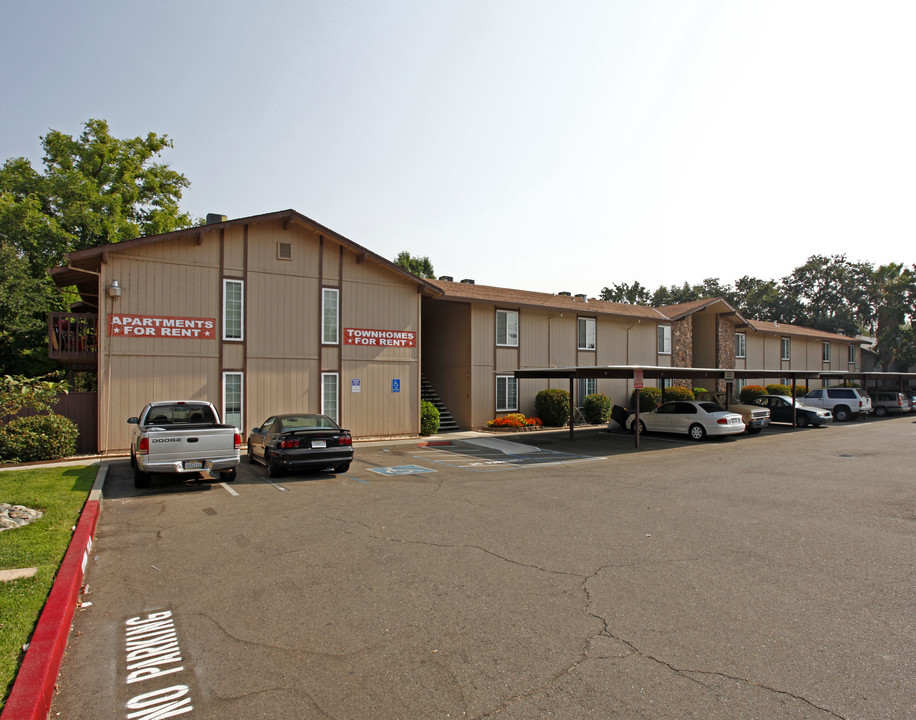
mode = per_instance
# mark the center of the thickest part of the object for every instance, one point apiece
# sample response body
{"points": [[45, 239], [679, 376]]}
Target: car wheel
{"points": [[880, 411], [697, 432], [133, 459], [250, 455], [141, 479], [273, 467], [342, 468], [841, 413], [228, 475], [801, 421], [642, 427]]}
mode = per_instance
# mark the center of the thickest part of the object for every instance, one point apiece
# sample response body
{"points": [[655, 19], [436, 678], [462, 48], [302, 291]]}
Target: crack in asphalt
{"points": [[685, 673]]}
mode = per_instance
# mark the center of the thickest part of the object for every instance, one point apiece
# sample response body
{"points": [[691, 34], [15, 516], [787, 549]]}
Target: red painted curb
{"points": [[33, 688], [436, 443]]}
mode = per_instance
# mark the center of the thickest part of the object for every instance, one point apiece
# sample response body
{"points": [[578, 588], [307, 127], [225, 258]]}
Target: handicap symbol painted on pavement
{"points": [[401, 470]]}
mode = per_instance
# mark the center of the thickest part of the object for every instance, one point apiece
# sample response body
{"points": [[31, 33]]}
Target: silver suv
{"points": [[844, 402], [887, 402]]}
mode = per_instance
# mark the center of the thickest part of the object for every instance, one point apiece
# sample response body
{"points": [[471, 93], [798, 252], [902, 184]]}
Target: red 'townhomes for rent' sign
{"points": [[158, 326], [380, 338]]}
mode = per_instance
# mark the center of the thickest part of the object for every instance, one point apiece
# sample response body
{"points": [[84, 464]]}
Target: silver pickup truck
{"points": [[182, 436]]}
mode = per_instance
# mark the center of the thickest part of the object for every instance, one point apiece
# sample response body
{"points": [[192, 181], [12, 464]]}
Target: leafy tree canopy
{"points": [[417, 265]]}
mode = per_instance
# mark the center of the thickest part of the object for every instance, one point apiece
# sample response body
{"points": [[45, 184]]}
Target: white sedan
{"points": [[695, 418]]}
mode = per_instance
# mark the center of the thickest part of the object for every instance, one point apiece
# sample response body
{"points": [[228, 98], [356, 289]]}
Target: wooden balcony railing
{"points": [[73, 338]]}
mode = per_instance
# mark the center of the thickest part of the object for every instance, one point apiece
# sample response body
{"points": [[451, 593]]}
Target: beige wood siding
{"points": [[446, 351], [280, 385], [563, 339], [376, 410], [534, 338]]}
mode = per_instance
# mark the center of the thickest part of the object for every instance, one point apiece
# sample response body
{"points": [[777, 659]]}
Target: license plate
{"points": [[193, 464], [319, 443], [733, 421]]}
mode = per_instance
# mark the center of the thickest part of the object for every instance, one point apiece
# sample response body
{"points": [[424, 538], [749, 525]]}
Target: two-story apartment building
{"points": [[261, 315]]}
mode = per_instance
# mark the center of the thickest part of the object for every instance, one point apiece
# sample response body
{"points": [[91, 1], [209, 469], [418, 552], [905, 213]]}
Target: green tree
{"points": [[634, 294], [93, 190], [417, 265], [892, 294], [832, 292]]}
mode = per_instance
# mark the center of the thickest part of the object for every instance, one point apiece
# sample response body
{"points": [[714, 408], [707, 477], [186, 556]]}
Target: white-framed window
{"points": [[233, 309], [506, 393], [507, 328], [739, 386], [825, 351], [740, 345], [233, 395], [330, 387], [786, 348], [330, 316], [591, 386], [852, 354], [586, 333], [664, 339]]}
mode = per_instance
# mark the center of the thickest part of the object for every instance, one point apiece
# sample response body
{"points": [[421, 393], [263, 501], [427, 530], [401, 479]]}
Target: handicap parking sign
{"points": [[395, 385]]}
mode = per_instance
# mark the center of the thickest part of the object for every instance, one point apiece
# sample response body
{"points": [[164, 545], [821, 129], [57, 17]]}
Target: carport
{"points": [[639, 373]]}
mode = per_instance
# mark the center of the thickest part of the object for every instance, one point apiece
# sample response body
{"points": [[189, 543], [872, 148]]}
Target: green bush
{"points": [[698, 390], [38, 437], [778, 389], [552, 407], [429, 418], [749, 392], [678, 392], [649, 399], [596, 408]]}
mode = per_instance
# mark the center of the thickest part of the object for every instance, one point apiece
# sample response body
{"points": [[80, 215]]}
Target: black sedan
{"points": [[300, 442], [781, 411]]}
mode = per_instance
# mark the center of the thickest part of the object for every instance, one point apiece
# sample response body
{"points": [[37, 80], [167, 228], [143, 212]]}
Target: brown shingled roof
{"points": [[510, 298], [676, 312], [798, 330]]}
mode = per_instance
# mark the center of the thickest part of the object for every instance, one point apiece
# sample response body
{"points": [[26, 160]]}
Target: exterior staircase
{"points": [[428, 392]]}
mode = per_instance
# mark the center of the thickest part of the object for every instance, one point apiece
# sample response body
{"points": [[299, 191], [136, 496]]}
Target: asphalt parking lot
{"points": [[761, 577]]}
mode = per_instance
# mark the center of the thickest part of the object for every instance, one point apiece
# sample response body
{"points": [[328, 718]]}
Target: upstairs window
{"points": [[740, 345], [586, 333], [664, 339], [330, 316], [233, 309], [507, 328], [825, 352], [852, 354], [786, 348]]}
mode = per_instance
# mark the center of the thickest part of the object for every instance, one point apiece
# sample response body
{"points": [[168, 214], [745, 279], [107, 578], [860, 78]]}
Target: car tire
{"points": [[880, 411], [274, 468], [141, 479], [228, 475], [696, 432], [249, 455], [642, 427], [801, 421], [342, 468], [841, 413], [133, 459]]}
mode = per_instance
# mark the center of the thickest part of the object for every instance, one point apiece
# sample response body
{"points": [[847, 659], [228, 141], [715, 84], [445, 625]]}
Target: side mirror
{"points": [[133, 421]]}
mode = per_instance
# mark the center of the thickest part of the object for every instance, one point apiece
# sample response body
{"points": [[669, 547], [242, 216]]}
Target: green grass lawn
{"points": [[60, 493]]}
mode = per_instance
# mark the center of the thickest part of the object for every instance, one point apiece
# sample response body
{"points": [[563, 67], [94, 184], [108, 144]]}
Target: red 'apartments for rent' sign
{"points": [[161, 326], [380, 338]]}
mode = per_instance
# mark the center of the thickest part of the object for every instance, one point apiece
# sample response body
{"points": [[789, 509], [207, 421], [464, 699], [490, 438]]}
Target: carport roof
{"points": [[656, 372]]}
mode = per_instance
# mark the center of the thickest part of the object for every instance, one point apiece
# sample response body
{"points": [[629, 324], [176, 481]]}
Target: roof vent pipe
{"points": [[468, 281], [565, 293], [449, 278], [581, 296], [214, 218]]}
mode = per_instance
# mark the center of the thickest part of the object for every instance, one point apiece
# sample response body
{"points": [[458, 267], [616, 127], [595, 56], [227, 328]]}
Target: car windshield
{"points": [[307, 422], [180, 414]]}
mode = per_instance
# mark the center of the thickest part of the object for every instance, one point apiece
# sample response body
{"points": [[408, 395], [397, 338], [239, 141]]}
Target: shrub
{"points": [[698, 390], [596, 408], [749, 392], [429, 418], [38, 437], [552, 407], [649, 399], [514, 420], [678, 392], [778, 389]]}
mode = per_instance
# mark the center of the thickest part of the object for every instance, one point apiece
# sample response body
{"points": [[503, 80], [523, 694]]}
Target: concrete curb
{"points": [[33, 689]]}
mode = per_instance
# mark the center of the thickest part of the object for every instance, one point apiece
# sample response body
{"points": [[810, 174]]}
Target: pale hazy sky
{"points": [[538, 145]]}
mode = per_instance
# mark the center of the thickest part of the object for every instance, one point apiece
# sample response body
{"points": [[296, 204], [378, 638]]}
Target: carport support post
{"points": [[572, 409]]}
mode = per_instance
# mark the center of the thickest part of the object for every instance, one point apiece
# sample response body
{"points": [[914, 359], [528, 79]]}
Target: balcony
{"points": [[73, 339]]}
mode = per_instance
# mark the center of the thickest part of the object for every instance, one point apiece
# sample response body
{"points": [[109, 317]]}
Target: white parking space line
{"points": [[276, 485], [228, 489]]}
